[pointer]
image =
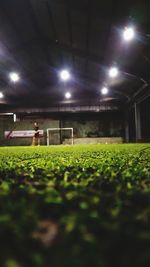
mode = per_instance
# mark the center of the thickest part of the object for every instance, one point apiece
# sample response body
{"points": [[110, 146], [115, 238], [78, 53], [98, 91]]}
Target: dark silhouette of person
{"points": [[36, 137]]}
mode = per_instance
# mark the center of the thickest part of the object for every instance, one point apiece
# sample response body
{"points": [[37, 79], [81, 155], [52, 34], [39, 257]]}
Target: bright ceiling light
{"points": [[104, 91], [1, 95], [14, 77], [113, 72], [65, 75], [128, 34], [67, 95]]}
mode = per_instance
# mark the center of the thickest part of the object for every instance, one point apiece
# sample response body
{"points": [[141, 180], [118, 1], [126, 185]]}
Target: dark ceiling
{"points": [[38, 38]]}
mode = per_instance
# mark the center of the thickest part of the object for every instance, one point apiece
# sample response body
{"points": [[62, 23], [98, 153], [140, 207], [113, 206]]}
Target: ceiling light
{"points": [[1, 95], [14, 77], [113, 72], [65, 75], [104, 91], [67, 95], [128, 34]]}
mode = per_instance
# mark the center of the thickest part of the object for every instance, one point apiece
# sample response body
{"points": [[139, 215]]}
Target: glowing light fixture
{"points": [[14, 77], [104, 91], [64, 75], [68, 95], [1, 95], [128, 34], [113, 72]]}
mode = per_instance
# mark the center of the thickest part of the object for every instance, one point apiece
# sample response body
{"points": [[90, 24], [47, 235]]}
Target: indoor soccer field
{"points": [[74, 133], [79, 205]]}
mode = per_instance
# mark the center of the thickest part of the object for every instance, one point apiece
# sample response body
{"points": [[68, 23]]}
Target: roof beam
{"points": [[61, 108], [140, 93], [145, 96], [39, 31], [78, 6], [54, 30], [70, 29], [77, 52], [10, 51], [88, 27], [55, 37]]}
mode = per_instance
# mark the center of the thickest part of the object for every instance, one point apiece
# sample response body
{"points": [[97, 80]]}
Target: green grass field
{"points": [[75, 206]]}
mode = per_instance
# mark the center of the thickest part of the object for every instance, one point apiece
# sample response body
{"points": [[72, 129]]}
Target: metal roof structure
{"points": [[38, 38]]}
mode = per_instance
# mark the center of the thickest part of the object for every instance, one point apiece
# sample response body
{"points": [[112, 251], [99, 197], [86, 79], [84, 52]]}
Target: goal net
{"points": [[57, 136]]}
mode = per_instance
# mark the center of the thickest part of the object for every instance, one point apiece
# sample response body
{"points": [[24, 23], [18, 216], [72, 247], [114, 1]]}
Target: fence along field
{"points": [[75, 206]]}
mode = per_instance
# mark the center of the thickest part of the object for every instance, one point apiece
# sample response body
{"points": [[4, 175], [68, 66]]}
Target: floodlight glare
{"points": [[67, 95], [113, 72], [14, 77], [104, 91], [1, 95], [65, 75], [128, 34]]}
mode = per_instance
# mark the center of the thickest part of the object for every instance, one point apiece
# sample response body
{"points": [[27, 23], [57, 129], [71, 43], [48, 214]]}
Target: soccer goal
{"points": [[59, 134]]}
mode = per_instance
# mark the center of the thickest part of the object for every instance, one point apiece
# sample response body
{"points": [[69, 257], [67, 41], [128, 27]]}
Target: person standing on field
{"points": [[36, 137]]}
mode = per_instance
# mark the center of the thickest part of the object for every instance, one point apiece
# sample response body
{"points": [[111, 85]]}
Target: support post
{"points": [[60, 132], [137, 122], [127, 126], [127, 131]]}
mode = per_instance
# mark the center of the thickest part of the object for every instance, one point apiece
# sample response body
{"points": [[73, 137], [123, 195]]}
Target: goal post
{"points": [[59, 130]]}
